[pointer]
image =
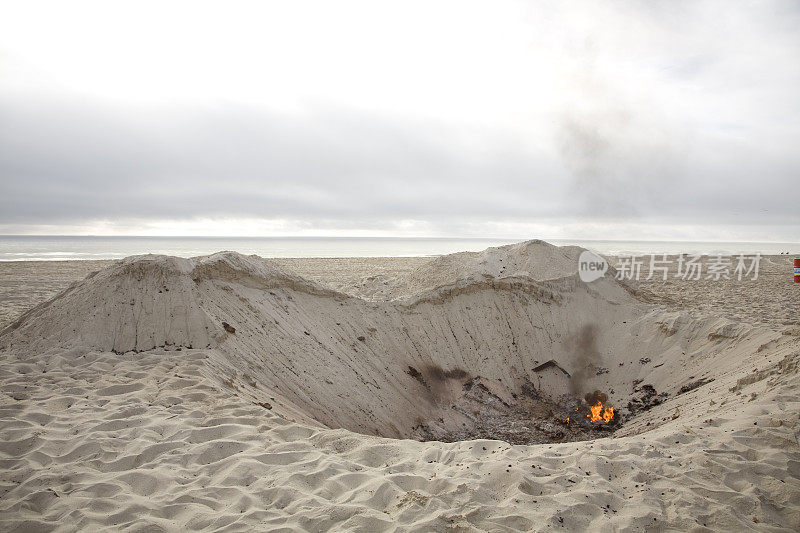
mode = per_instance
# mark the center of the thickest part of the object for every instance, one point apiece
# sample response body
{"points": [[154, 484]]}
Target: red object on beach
{"points": [[797, 269]]}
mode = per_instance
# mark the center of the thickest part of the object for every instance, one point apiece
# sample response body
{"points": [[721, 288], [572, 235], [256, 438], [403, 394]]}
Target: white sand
{"points": [[127, 405]]}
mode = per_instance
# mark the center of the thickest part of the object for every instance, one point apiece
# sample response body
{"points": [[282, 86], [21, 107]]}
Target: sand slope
{"points": [[128, 404]]}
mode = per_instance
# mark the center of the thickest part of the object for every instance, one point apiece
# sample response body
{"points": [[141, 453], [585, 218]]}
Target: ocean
{"points": [[53, 248]]}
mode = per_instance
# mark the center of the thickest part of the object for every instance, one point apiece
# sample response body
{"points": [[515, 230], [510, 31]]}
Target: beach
{"points": [[399, 267], [386, 394]]}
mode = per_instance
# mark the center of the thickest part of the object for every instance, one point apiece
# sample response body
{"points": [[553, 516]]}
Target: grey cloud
{"points": [[66, 162], [62, 163]]}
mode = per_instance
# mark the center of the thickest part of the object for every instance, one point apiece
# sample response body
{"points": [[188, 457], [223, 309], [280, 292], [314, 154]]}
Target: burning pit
{"points": [[549, 405], [487, 411]]}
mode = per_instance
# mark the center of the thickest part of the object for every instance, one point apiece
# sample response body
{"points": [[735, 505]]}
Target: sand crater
{"points": [[501, 344]]}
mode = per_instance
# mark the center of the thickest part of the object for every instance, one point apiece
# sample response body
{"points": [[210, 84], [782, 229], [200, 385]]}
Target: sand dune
{"points": [[230, 392]]}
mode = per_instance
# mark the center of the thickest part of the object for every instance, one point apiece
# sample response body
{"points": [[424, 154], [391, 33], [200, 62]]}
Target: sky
{"points": [[593, 120]]}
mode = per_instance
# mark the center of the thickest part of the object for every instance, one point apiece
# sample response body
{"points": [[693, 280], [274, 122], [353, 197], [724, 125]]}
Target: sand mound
{"points": [[145, 302], [258, 368], [535, 259]]}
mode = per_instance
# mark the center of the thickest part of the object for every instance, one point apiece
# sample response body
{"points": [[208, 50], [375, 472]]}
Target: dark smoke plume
{"points": [[588, 358]]}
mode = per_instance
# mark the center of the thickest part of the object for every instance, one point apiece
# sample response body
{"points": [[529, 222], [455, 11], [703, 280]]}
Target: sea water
{"points": [[43, 248]]}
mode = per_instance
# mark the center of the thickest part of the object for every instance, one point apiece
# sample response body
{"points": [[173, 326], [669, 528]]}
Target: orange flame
{"points": [[599, 412]]}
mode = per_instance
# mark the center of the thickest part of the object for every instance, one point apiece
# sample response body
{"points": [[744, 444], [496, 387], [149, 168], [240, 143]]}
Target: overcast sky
{"points": [[628, 120]]}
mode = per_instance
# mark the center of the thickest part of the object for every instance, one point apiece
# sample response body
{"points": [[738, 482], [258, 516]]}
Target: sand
{"points": [[232, 392]]}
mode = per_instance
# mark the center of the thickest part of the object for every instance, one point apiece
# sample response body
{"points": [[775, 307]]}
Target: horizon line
{"points": [[517, 239]]}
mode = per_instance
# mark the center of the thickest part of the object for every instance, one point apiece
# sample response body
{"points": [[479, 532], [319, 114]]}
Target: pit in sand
{"points": [[530, 416]]}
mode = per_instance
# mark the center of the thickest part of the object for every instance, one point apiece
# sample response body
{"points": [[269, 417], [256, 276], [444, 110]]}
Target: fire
{"points": [[599, 412]]}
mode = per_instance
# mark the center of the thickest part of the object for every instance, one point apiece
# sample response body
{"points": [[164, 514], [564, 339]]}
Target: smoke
{"points": [[587, 358], [591, 146], [612, 141]]}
